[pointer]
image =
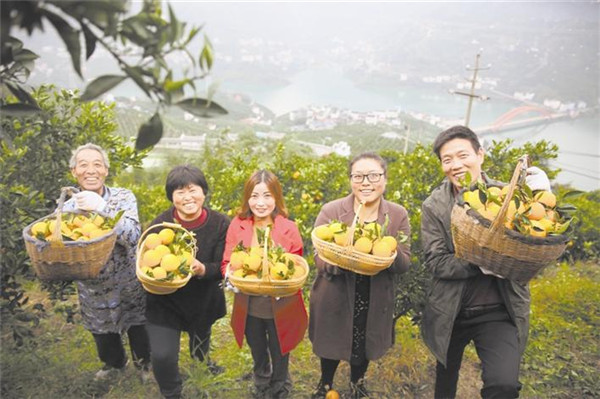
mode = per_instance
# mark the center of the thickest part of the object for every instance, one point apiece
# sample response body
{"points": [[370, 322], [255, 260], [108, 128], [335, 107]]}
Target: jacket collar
{"points": [[348, 208]]}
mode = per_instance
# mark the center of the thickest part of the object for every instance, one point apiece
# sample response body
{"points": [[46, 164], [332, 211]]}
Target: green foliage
{"points": [[140, 44], [585, 242], [564, 306], [34, 165], [501, 159]]}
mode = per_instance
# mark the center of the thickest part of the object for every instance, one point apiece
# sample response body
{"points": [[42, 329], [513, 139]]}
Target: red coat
{"points": [[290, 315]]}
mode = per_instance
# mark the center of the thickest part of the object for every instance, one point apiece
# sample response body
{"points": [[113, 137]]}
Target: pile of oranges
{"points": [[247, 263], [167, 255], [534, 214], [74, 227], [368, 238]]}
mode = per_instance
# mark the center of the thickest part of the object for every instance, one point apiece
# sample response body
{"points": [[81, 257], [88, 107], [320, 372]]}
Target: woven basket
{"points": [[348, 258], [150, 284], [504, 252], [67, 260], [266, 285]]}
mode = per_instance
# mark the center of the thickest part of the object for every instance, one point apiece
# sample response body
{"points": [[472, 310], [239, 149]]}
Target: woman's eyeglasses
{"points": [[371, 177]]}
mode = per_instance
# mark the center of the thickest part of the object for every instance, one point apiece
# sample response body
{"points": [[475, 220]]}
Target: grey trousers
{"points": [[271, 368], [164, 342]]}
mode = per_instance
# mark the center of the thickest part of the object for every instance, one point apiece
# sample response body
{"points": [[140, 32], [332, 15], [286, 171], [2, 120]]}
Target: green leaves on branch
{"points": [[140, 44], [201, 107], [100, 86], [150, 133]]}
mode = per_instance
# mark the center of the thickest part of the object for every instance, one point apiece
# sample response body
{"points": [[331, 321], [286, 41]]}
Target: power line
{"points": [[581, 153], [574, 166], [580, 174]]}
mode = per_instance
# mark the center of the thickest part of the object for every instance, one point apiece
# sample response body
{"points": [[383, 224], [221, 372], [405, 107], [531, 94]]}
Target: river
{"points": [[578, 140]]}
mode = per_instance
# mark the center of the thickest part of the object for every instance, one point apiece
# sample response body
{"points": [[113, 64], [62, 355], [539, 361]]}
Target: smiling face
{"points": [[188, 201], [261, 202], [459, 157], [90, 170], [368, 191]]}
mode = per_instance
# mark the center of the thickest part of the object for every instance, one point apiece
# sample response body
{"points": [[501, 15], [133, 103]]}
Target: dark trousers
{"points": [[497, 346], [165, 343], [112, 352], [270, 366]]}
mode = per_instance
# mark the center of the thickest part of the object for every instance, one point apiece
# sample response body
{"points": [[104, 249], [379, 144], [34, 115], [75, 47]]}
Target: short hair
{"points": [[88, 146], [272, 182], [368, 155], [182, 176], [455, 132]]}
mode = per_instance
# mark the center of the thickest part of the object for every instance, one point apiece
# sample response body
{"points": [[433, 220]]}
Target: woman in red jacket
{"points": [[273, 326]]}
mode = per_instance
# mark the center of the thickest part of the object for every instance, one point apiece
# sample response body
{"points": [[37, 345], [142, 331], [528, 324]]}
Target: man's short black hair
{"points": [[455, 132], [183, 175]]}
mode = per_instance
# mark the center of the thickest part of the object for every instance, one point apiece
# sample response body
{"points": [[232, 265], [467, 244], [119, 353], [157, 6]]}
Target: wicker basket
{"points": [[67, 260], [504, 252], [150, 284], [348, 258], [266, 285]]}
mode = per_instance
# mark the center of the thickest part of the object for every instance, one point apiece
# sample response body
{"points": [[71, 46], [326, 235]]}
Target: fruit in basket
{"points": [[383, 248], [75, 227], [247, 263], [167, 262], [534, 214], [152, 241], [166, 235], [324, 232], [368, 238], [364, 245]]}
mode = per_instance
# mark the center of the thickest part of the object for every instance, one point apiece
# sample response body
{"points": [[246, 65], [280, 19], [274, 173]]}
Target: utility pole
{"points": [[407, 129], [471, 94]]}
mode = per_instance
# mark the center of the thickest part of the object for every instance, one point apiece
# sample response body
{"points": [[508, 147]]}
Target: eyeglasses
{"points": [[371, 177]]}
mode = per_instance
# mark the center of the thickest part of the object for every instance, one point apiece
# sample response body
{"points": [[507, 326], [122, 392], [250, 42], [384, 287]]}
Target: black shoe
{"points": [[262, 392], [358, 389], [321, 390]]}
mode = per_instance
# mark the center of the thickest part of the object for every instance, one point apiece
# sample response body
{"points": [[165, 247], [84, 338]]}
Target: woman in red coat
{"points": [[272, 326]]}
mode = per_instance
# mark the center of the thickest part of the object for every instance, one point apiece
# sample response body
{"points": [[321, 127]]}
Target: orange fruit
{"points": [[536, 211], [382, 248], [364, 245], [170, 262], [151, 258], [166, 236], [153, 240], [546, 198]]}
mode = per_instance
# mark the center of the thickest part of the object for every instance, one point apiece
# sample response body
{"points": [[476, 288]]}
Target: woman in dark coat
{"points": [[351, 315], [196, 306]]}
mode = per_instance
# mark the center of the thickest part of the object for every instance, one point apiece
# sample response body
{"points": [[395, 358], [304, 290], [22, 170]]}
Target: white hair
{"points": [[88, 146]]}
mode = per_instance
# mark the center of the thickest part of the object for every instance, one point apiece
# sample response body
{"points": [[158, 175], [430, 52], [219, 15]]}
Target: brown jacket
{"points": [[332, 293]]}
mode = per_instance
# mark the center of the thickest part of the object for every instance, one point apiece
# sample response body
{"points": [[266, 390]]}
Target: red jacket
{"points": [[290, 315]]}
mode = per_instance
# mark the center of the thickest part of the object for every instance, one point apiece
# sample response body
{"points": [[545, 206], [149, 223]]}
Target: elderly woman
{"points": [[272, 326], [351, 315], [114, 302], [195, 307]]}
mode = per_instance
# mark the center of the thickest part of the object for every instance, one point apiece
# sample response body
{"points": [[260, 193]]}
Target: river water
{"points": [[578, 140]]}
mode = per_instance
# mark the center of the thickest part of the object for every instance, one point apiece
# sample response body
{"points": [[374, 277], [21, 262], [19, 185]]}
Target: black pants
{"points": [[271, 369], [165, 355], [112, 352], [496, 342]]}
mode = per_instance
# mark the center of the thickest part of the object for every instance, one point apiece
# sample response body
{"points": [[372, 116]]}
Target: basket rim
{"points": [[36, 241], [144, 278], [486, 223], [352, 250], [269, 280]]}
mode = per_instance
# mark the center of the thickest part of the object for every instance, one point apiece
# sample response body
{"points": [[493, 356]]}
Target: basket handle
{"points": [[266, 276], [350, 238], [56, 234], [517, 179]]}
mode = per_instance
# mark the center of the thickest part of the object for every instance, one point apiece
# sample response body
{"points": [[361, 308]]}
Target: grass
{"points": [[60, 360]]}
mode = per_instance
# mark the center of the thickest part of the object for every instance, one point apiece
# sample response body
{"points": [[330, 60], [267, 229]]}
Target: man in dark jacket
{"points": [[465, 302]]}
